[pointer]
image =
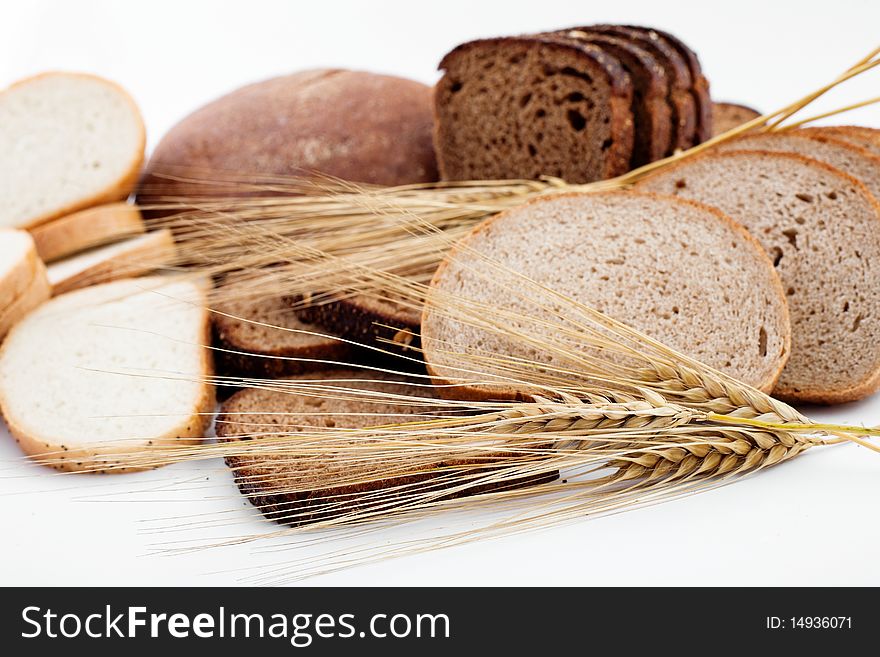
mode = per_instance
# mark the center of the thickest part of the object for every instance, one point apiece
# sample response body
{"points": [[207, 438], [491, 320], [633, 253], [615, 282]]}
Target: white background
{"points": [[813, 521]]}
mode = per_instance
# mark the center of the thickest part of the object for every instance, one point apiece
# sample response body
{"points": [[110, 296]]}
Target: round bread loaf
{"points": [[680, 272]]}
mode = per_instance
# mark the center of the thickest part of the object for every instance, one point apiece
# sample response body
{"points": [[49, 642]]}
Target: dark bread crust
{"points": [[325, 501], [652, 113], [681, 97], [354, 125], [700, 87], [621, 132]]}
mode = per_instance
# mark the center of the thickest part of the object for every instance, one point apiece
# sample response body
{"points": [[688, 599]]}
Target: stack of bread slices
{"points": [[71, 150]]}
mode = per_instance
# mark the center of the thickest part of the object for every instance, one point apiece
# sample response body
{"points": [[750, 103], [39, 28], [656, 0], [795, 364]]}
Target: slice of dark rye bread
{"points": [[530, 106], [854, 160], [251, 340], [727, 116], [305, 489], [821, 227], [652, 113], [855, 134], [681, 272], [681, 84]]}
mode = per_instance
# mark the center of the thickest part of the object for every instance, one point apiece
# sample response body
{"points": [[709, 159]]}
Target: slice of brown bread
{"points": [[303, 489], [856, 161], [681, 84], [652, 113], [681, 272], [727, 116], [252, 340], [821, 227], [855, 134], [700, 88], [526, 107]]}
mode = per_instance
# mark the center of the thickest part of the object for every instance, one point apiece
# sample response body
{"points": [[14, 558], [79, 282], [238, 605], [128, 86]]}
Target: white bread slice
{"points": [[87, 229], [682, 273], [37, 291], [109, 370], [822, 229], [67, 141], [18, 262], [131, 257]]}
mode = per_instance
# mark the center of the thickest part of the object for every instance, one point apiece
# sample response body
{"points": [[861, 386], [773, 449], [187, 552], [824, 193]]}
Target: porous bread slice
{"points": [[727, 116], [252, 340], [652, 114], [681, 272], [855, 134], [368, 319], [304, 489], [111, 370], [67, 141], [700, 85], [87, 229], [526, 107], [36, 292], [681, 84], [131, 257], [858, 162], [18, 263], [821, 227]]}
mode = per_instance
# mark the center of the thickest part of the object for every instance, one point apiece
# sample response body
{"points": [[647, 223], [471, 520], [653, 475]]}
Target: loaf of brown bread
{"points": [[526, 107], [304, 488], [353, 125], [727, 116], [652, 113]]}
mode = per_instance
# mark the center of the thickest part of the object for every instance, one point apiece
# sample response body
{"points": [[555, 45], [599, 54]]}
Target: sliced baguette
{"points": [[67, 141], [87, 229], [683, 273], [110, 370], [18, 263], [36, 292], [854, 160], [821, 227], [303, 489], [727, 116], [131, 257], [265, 338]]}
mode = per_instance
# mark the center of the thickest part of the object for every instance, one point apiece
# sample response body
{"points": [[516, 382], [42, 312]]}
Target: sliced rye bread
{"points": [[302, 489], [37, 291], [87, 229], [822, 229], [700, 88], [526, 107], [125, 259], [856, 161], [681, 84], [367, 319], [727, 116], [251, 340], [681, 272], [652, 114], [855, 134], [112, 369], [18, 263], [67, 141]]}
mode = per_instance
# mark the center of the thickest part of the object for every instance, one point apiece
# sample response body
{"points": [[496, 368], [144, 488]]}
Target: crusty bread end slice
{"points": [[132, 257], [87, 229], [110, 370], [67, 141]]}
